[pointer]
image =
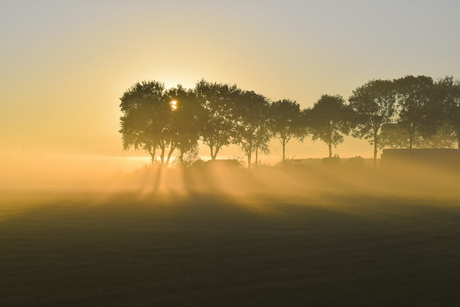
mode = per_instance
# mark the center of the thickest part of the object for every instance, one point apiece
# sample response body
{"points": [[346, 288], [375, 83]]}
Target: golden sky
{"points": [[64, 64]]}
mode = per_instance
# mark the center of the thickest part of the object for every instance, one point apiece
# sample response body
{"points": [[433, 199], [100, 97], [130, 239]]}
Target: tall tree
{"points": [[416, 112], [448, 94], [374, 104], [218, 122], [328, 120], [146, 118], [286, 122], [187, 113], [252, 123]]}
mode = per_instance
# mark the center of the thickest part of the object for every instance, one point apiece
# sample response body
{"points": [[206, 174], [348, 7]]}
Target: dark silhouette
{"points": [[413, 94], [410, 112], [252, 123], [331, 161], [421, 158], [146, 118], [393, 136], [187, 116], [374, 104], [354, 163], [328, 120], [448, 98], [218, 122], [286, 122]]}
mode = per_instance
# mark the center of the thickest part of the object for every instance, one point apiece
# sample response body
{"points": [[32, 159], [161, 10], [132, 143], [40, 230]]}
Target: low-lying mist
{"points": [[134, 174], [223, 235], [290, 183]]}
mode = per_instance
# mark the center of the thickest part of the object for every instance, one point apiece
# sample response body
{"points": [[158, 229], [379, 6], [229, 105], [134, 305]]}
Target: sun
{"points": [[173, 105]]}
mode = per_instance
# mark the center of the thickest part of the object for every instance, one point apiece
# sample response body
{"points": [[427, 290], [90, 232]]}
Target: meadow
{"points": [[267, 237]]}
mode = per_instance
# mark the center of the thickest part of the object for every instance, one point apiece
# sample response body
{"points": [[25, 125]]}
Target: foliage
{"points": [[393, 136], [186, 116], [374, 104], [218, 122], [329, 120], [146, 118], [406, 112], [286, 122], [448, 95], [418, 113], [252, 123], [188, 158]]}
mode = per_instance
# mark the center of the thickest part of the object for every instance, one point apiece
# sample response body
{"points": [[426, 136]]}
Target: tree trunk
{"points": [[330, 150], [284, 149], [257, 156], [162, 156], [181, 157], [216, 150], [458, 137], [411, 136], [152, 154], [249, 159], [170, 154], [376, 140]]}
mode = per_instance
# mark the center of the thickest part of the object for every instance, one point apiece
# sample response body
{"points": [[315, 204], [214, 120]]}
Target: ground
{"points": [[227, 249]]}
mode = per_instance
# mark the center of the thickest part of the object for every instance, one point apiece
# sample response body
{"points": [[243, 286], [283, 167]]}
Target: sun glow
{"points": [[173, 105]]}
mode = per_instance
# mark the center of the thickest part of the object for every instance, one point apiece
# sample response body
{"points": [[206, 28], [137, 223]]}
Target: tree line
{"points": [[410, 112]]}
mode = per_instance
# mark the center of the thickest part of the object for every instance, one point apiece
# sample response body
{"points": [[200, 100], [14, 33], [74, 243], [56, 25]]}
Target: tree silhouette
{"points": [[394, 136], [218, 122], [329, 120], [221, 114], [286, 122], [374, 104], [448, 94], [187, 114], [413, 97], [252, 123], [146, 118]]}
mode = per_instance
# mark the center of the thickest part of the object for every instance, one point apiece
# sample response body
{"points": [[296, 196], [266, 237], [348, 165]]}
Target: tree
{"points": [[218, 122], [443, 138], [374, 104], [252, 123], [329, 120], [448, 94], [394, 136], [146, 118], [286, 122], [416, 113], [186, 116]]}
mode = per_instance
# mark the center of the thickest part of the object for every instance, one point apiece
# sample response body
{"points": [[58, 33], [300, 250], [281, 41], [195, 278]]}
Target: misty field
{"points": [[234, 247]]}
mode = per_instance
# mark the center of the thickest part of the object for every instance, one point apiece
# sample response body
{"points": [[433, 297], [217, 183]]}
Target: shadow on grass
{"points": [[222, 249]]}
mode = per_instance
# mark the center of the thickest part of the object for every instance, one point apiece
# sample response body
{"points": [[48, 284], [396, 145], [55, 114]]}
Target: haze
{"points": [[66, 63], [84, 222]]}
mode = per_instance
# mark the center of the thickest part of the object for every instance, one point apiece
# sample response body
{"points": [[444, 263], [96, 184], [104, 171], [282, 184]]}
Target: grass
{"points": [[215, 249]]}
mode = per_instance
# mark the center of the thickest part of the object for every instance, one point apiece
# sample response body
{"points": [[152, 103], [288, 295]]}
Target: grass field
{"points": [[248, 247]]}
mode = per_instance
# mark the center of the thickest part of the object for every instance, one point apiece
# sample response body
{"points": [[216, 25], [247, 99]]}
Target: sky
{"points": [[65, 64]]}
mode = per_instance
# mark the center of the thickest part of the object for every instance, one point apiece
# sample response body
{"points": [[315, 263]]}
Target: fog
{"points": [[49, 171], [307, 182], [85, 229]]}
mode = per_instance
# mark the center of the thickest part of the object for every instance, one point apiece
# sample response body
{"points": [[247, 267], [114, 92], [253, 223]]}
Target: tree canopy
{"points": [[329, 120], [413, 97], [146, 118], [252, 123], [374, 105], [218, 121], [187, 115], [401, 113], [286, 122]]}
